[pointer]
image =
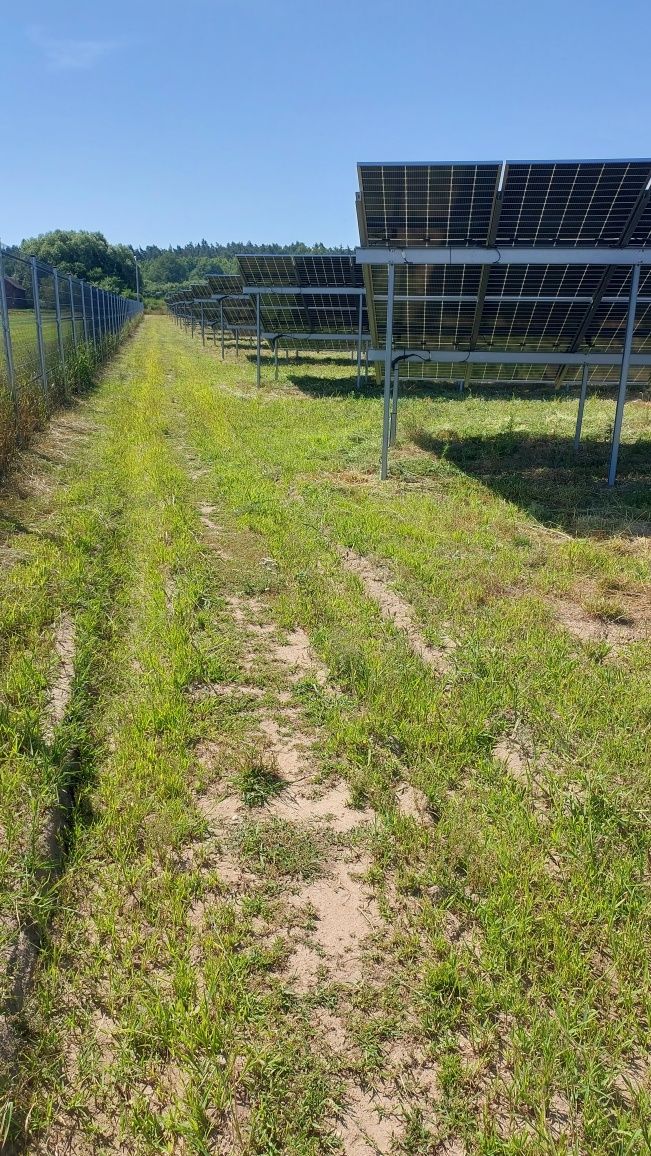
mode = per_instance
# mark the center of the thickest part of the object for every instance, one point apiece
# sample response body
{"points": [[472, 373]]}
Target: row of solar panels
{"points": [[301, 316], [542, 308], [552, 308]]}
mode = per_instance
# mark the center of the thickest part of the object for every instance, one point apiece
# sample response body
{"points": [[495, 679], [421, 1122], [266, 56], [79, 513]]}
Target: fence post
{"points": [[72, 311], [57, 308], [92, 315], [82, 286], [6, 333], [39, 325]]}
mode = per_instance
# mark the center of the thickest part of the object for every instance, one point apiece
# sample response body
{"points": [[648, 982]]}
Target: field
{"points": [[359, 850]]}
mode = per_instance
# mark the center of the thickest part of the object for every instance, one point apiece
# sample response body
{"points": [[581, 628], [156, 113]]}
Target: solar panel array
{"points": [[220, 295], [534, 308], [294, 316]]}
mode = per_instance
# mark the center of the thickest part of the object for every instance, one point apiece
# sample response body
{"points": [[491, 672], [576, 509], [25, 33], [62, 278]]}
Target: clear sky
{"points": [[165, 121]]}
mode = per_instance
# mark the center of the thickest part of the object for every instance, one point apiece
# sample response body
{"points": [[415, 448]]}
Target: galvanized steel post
{"points": [[257, 337], [6, 334], [83, 309], [71, 293], [39, 324], [579, 417], [92, 315], [57, 309], [623, 378], [388, 365], [394, 407], [358, 384], [221, 324]]}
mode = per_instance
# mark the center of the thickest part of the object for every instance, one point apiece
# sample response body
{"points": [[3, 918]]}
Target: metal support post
{"points": [[366, 366], [623, 379], [394, 408], [6, 334], [39, 324], [203, 331], [388, 365], [84, 318], [71, 292], [57, 311], [221, 324], [276, 359], [579, 416], [358, 383], [237, 343], [257, 338], [92, 316]]}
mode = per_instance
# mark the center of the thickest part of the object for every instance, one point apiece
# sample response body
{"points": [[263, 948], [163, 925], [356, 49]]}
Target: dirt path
{"points": [[328, 929]]}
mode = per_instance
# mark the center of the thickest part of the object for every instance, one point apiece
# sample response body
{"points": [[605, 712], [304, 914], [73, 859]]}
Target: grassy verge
{"points": [[514, 936]]}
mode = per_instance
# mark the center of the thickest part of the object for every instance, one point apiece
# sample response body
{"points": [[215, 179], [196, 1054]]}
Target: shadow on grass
{"points": [[557, 485], [305, 359]]}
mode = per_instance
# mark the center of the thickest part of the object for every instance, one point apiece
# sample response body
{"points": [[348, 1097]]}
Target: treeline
{"points": [[85, 255], [113, 267], [167, 269]]}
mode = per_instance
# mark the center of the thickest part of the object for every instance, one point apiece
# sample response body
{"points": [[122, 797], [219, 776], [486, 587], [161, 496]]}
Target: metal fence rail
{"points": [[56, 331]]}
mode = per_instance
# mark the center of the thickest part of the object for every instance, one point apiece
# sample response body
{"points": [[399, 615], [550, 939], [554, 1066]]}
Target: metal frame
{"points": [[359, 337], [358, 340], [487, 256], [505, 255]]}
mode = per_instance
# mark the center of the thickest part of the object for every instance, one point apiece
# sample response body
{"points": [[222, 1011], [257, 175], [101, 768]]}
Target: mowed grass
{"points": [[520, 957]]}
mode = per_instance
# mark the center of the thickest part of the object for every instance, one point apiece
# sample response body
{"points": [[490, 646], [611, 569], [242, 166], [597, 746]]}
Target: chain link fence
{"points": [[56, 331]]}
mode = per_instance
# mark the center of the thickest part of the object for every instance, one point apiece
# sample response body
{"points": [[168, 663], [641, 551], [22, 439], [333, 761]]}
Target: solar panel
{"points": [[267, 269], [507, 307], [306, 313], [427, 204], [219, 283]]}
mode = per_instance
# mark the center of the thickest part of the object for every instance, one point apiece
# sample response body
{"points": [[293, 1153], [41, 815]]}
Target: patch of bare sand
{"points": [[249, 615], [633, 1079], [517, 756], [219, 808], [413, 803], [297, 655], [345, 912], [371, 1123], [616, 618], [61, 689], [290, 751], [394, 608], [202, 690], [332, 806]]}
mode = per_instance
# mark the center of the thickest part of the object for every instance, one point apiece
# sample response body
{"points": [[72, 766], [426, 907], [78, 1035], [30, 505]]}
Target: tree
{"points": [[86, 255]]}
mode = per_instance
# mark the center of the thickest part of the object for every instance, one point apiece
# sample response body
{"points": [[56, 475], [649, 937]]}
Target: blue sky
{"points": [[165, 121]]}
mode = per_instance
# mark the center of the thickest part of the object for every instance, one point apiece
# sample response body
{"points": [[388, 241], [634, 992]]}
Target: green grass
{"points": [[518, 930]]}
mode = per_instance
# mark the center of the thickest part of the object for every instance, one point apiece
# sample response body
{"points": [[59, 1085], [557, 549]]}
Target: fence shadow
{"points": [[557, 485]]}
